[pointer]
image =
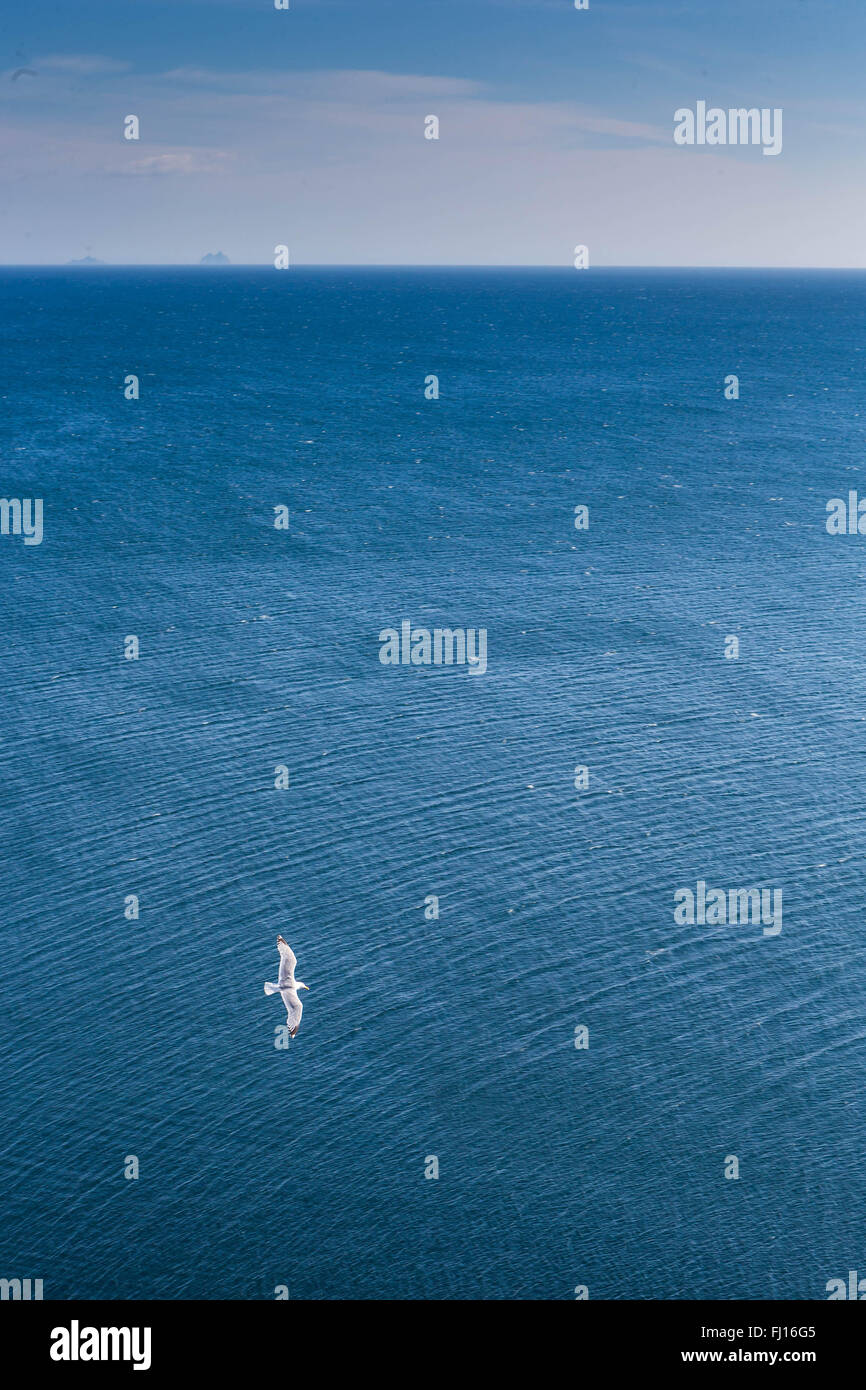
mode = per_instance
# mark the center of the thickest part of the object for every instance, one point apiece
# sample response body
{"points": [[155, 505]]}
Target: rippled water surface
{"points": [[451, 1037]]}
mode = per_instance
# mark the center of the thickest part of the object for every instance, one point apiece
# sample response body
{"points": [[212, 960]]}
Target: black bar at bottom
{"points": [[282, 1341]]}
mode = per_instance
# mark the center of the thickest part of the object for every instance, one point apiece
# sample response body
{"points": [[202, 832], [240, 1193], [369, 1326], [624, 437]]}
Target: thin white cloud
{"points": [[183, 162], [339, 84], [81, 64]]}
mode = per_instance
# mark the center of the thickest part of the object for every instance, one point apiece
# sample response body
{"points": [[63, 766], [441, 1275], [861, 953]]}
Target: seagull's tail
{"points": [[271, 989]]}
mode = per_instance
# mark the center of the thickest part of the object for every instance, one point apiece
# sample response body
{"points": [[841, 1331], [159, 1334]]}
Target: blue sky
{"points": [[306, 127]]}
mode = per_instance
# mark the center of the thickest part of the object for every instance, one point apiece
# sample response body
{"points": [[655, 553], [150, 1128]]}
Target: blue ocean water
{"points": [[453, 1037]]}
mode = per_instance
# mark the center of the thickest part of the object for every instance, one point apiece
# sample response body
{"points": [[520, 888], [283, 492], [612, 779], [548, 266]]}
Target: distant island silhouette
{"points": [[215, 258], [86, 260]]}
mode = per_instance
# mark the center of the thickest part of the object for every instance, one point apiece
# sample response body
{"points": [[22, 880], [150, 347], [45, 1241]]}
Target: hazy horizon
{"points": [[97, 264]]}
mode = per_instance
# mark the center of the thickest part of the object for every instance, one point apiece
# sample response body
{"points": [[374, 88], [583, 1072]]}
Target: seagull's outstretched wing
{"points": [[294, 1009], [288, 961]]}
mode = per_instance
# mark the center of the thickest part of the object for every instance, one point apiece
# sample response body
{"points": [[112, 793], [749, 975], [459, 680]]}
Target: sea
{"points": [[517, 1076]]}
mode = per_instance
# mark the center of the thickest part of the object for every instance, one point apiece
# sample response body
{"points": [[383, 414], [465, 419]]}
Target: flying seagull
{"points": [[287, 986]]}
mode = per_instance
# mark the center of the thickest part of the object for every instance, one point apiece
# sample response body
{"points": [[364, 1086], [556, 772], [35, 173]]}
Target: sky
{"points": [[305, 127]]}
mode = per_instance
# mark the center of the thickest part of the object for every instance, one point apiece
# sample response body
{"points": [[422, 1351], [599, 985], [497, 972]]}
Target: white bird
{"points": [[287, 987]]}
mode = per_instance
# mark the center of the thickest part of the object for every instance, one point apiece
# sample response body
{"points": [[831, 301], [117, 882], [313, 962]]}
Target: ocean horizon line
{"points": [[415, 265]]}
